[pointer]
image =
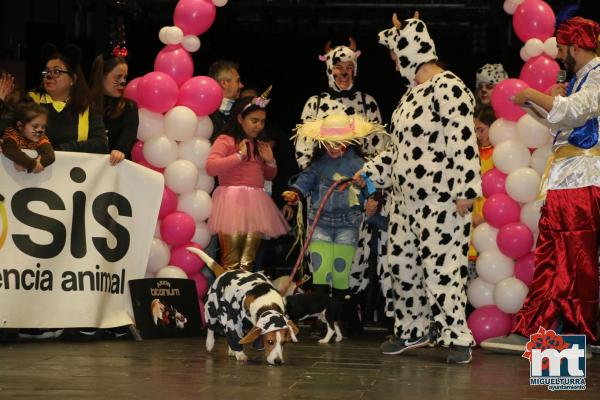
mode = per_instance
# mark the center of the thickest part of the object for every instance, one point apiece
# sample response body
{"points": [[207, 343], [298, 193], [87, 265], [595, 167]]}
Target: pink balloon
{"points": [[540, 72], [499, 210], [514, 240], [492, 182], [502, 99], [137, 153], [131, 89], [177, 228], [176, 62], [524, 268], [488, 322], [148, 165], [168, 204], [190, 263], [201, 284], [533, 19], [202, 94], [194, 17], [157, 92], [202, 316]]}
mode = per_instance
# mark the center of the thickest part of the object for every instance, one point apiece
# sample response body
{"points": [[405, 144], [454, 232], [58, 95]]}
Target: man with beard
{"points": [[564, 291]]}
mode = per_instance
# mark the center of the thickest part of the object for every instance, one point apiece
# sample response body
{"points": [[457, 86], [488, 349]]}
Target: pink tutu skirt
{"points": [[244, 209]]}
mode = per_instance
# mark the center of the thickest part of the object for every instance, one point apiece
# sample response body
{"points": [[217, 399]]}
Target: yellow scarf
{"points": [[83, 124]]}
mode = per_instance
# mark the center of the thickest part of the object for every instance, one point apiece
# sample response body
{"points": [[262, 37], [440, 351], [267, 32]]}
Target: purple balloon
{"points": [[176, 62], [131, 89], [168, 203], [201, 94], [514, 240], [524, 268], [189, 262], [540, 72], [137, 152], [534, 19], [499, 210], [488, 322], [157, 92], [194, 17], [502, 96], [492, 182], [177, 228]]}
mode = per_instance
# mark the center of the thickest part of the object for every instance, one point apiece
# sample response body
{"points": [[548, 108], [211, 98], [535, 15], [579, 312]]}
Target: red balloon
{"points": [[524, 268], [502, 99], [137, 152], [514, 240], [168, 204], [194, 17], [176, 62], [534, 19], [131, 89], [201, 94], [499, 210], [540, 72], [201, 285], [488, 322], [157, 92], [189, 262], [492, 182], [177, 228]]}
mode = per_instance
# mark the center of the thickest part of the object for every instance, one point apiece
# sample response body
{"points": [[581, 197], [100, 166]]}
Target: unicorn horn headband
{"points": [[261, 101]]}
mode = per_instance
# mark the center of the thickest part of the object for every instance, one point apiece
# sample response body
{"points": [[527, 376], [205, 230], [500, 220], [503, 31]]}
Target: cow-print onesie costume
{"points": [[351, 101], [432, 162]]}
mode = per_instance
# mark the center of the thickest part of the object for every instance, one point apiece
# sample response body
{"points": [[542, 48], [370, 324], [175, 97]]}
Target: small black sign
{"points": [[165, 308]]}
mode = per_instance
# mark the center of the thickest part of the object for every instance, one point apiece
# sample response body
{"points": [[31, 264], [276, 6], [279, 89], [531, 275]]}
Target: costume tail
{"points": [[214, 266]]}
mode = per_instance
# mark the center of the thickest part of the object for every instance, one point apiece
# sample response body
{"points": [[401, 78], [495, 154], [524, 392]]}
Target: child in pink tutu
{"points": [[242, 212]]}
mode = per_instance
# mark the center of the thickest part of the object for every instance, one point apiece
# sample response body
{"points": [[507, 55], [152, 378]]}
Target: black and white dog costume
{"points": [[432, 162], [242, 306]]}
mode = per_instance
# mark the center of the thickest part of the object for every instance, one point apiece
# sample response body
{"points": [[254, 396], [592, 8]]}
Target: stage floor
{"points": [[182, 369]]}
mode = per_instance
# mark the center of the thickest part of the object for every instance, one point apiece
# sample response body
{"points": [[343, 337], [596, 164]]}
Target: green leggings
{"points": [[331, 263]]}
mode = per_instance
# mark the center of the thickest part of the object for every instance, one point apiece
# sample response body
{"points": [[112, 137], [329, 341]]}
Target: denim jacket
{"points": [[317, 179]]}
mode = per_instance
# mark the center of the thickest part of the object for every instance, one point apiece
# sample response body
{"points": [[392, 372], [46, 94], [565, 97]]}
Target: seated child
{"points": [[28, 132]]}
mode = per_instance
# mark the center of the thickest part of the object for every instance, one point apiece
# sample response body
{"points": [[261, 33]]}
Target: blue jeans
{"points": [[337, 235]]}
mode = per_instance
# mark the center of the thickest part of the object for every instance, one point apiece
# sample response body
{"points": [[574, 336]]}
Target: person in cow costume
{"points": [[432, 166], [343, 95]]}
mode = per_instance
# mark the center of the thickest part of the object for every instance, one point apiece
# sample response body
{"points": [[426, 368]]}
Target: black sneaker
{"points": [[395, 345], [459, 355]]}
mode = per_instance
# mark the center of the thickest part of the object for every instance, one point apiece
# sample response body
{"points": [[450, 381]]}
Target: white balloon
{"points": [[534, 47], [174, 35], [205, 182], [195, 150], [219, 3], [202, 235], [550, 47], [540, 157], [509, 295], [181, 176], [484, 237], [509, 7], [197, 204], [191, 43], [180, 123], [510, 155], [160, 151], [151, 125], [532, 133], [492, 266], [205, 127], [162, 34], [172, 271], [502, 130], [159, 256], [480, 293], [523, 54], [523, 184], [530, 216]]}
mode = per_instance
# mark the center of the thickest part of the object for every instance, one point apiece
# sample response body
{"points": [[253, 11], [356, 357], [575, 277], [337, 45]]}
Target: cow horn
{"points": [[352, 44], [328, 47], [396, 21]]}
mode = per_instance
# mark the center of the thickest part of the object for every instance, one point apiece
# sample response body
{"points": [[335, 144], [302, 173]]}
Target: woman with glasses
{"points": [[107, 81], [72, 126]]}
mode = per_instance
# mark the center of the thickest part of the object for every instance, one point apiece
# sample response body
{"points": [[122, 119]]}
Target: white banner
{"points": [[71, 237]]}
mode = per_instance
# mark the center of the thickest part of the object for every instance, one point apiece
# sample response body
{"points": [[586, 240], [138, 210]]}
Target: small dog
{"points": [[157, 309], [327, 309], [241, 301]]}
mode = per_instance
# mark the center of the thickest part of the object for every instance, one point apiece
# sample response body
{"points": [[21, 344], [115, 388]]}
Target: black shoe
{"points": [[395, 345], [459, 355]]}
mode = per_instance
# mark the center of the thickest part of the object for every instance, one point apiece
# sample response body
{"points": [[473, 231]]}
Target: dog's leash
{"points": [[312, 230]]}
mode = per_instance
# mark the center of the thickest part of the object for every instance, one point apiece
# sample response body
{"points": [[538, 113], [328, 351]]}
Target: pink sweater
{"points": [[225, 163]]}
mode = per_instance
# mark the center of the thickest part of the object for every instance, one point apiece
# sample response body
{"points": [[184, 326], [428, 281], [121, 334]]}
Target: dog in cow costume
{"points": [[432, 166]]}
